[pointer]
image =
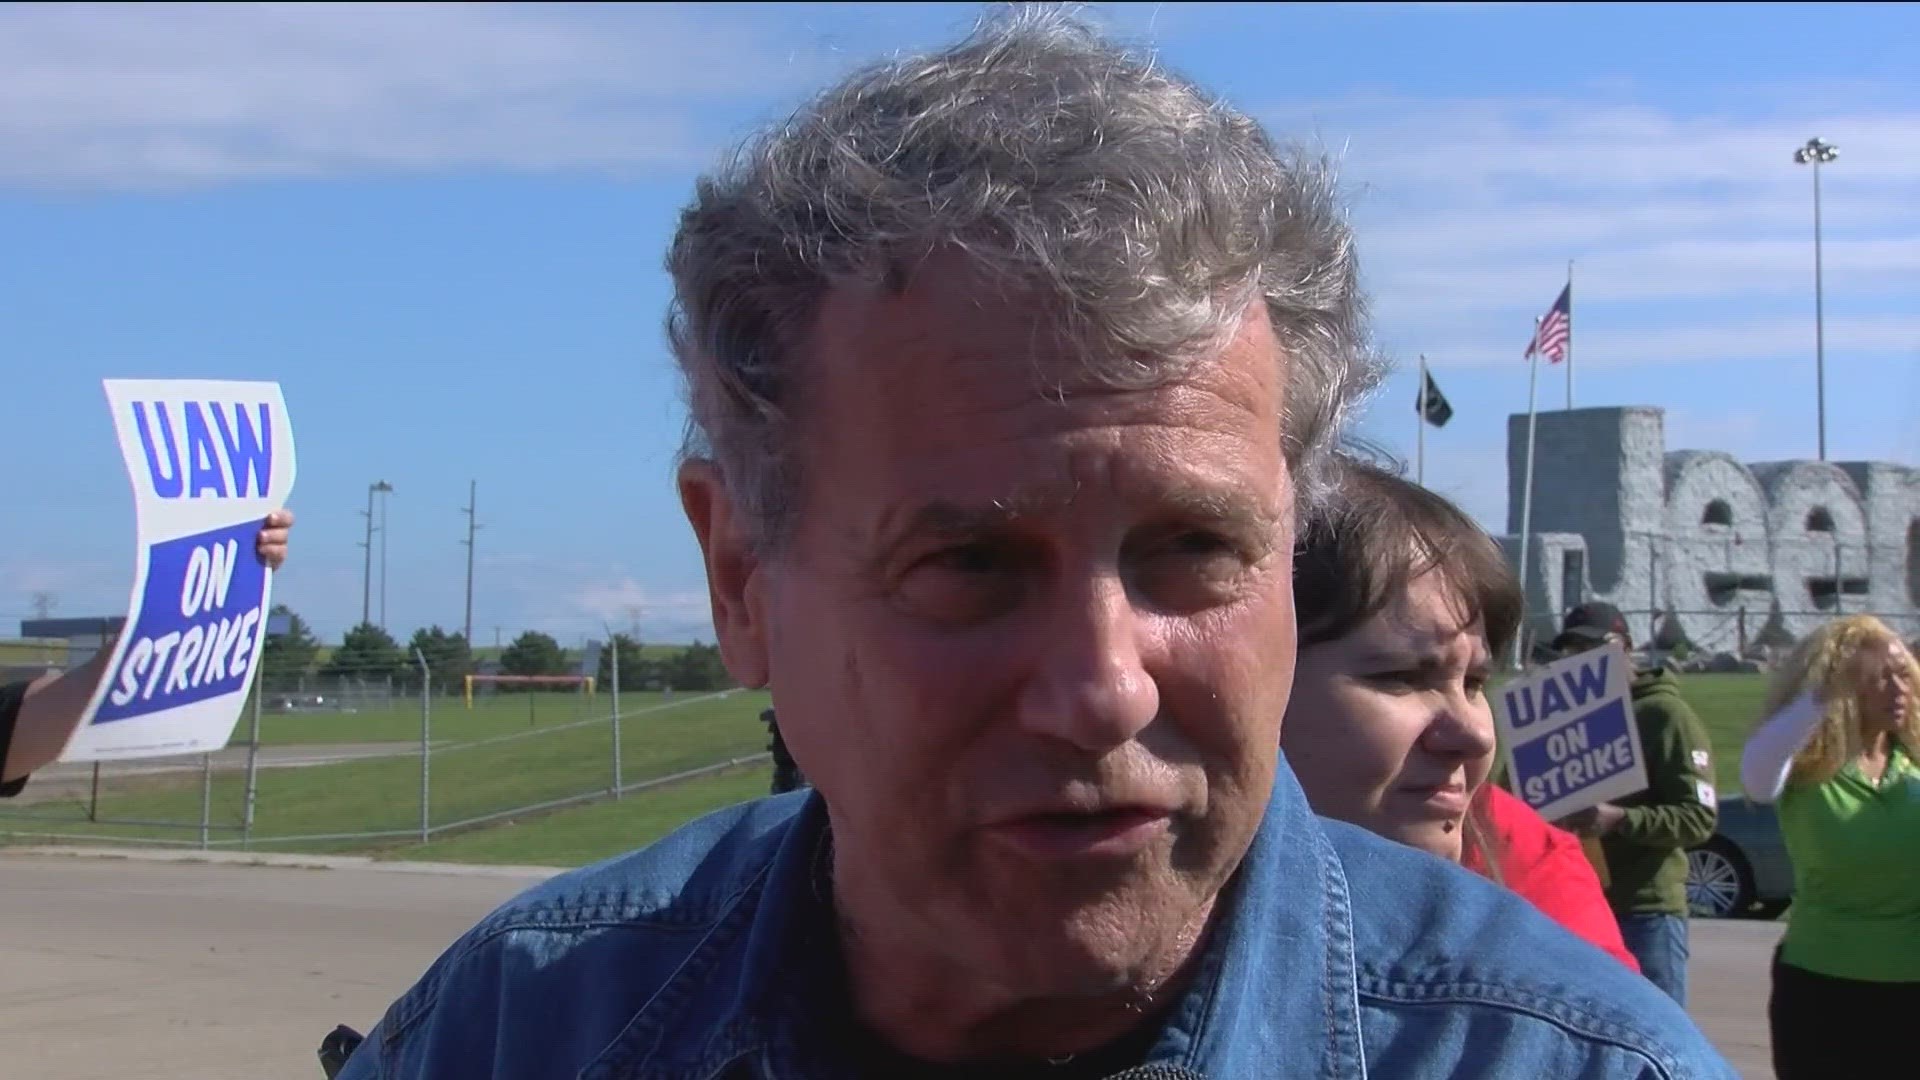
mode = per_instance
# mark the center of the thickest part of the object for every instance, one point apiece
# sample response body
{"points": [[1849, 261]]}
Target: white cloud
{"points": [[1691, 233], [575, 600], [621, 602], [1887, 340], [139, 96]]}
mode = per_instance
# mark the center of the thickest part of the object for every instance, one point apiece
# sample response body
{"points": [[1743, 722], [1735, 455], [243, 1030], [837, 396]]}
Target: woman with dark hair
{"points": [[1402, 603]]}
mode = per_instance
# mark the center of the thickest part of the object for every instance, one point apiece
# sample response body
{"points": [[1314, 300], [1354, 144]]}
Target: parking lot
{"points": [[138, 969]]}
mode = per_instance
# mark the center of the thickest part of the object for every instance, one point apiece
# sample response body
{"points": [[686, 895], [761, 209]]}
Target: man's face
{"points": [[1034, 654]]}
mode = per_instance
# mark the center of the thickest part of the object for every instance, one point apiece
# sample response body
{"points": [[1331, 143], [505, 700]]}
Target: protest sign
{"points": [[208, 461], [1569, 733]]}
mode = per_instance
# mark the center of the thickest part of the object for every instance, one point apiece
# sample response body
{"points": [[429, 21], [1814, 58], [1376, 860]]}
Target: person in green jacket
{"points": [[1644, 837]]}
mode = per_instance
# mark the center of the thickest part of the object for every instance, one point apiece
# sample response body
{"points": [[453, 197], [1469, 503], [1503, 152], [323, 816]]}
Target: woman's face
{"points": [[1389, 727], [1882, 676]]}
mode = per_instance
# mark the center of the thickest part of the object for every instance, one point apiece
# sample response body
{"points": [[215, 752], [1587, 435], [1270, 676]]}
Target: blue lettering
{"points": [[249, 452], [1552, 700], [202, 462], [1519, 702], [166, 482], [1588, 681]]}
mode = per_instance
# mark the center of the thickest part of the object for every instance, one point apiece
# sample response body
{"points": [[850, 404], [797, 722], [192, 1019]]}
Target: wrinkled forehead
{"points": [[1029, 493], [948, 392], [952, 339]]}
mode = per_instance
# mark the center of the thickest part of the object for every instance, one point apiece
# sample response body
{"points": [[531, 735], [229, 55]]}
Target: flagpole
{"points": [[1569, 335], [1526, 492], [1420, 422]]}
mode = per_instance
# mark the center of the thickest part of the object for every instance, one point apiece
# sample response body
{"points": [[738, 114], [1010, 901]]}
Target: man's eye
{"points": [[1187, 571], [965, 559], [1195, 544], [962, 585]]}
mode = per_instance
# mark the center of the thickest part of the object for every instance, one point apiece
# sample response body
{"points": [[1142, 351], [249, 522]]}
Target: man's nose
{"points": [[1090, 686]]}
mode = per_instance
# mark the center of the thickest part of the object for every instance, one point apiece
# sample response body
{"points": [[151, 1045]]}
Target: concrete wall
{"points": [[1721, 549], [1717, 555], [1891, 495], [1819, 532], [1597, 474]]}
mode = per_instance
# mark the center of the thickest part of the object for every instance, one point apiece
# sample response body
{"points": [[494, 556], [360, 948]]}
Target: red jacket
{"points": [[1548, 866]]}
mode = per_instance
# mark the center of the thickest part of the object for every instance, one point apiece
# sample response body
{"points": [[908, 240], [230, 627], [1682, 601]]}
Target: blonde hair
{"points": [[1823, 662]]}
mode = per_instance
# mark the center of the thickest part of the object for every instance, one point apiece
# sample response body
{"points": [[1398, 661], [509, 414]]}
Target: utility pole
{"points": [[473, 526], [385, 511], [366, 573]]}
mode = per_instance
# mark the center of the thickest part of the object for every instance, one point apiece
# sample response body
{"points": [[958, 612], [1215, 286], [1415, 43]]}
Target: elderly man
{"points": [[1011, 367]]}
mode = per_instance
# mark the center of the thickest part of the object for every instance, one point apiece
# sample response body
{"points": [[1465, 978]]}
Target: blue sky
{"points": [[440, 229]]}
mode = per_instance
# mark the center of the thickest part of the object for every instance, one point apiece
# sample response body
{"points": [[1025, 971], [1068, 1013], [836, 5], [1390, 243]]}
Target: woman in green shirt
{"points": [[1838, 752]]}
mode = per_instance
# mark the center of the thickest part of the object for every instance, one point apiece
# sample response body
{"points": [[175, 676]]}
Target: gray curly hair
{"points": [[1053, 160]]}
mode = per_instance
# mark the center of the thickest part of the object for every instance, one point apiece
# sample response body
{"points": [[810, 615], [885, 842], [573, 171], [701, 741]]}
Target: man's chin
{"points": [[1109, 940]]}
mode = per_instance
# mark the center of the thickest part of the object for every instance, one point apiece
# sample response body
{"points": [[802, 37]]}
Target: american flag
{"points": [[1551, 333]]}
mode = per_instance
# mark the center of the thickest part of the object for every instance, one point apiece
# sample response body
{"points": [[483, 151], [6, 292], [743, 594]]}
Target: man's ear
{"points": [[734, 580]]}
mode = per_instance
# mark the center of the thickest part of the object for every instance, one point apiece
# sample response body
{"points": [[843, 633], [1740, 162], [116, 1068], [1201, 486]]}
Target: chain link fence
{"points": [[368, 761], [1741, 640]]}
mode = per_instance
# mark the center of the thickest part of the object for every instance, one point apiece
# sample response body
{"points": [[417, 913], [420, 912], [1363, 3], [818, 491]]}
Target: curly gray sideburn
{"points": [[1053, 160]]}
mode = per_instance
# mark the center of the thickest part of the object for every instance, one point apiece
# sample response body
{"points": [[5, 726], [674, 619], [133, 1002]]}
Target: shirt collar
{"points": [[1276, 975]]}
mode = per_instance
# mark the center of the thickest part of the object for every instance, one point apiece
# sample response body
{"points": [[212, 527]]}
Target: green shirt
{"points": [[1856, 874], [1646, 853]]}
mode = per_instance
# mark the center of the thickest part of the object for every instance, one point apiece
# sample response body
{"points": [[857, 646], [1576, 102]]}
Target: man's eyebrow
{"points": [[1231, 512], [945, 518]]}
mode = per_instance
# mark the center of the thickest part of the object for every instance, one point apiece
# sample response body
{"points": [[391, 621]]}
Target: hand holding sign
{"points": [[1569, 734], [208, 461]]}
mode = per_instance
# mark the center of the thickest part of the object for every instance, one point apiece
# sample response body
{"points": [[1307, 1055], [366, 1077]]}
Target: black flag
{"points": [[1434, 404]]}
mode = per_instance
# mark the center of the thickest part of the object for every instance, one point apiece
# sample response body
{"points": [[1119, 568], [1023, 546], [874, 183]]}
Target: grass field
{"points": [[591, 833], [668, 737], [449, 721], [553, 761], [1728, 705]]}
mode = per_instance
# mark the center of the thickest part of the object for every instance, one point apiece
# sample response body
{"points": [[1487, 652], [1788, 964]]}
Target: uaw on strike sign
{"points": [[208, 461], [1569, 734]]}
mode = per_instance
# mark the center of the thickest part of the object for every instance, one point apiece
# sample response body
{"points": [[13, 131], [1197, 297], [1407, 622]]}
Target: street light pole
{"points": [[1816, 153]]}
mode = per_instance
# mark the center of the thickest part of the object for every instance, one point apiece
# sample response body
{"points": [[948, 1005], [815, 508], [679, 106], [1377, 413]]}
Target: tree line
{"points": [[368, 654]]}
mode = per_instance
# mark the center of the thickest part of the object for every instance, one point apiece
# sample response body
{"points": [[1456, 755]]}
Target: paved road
{"points": [[114, 969]]}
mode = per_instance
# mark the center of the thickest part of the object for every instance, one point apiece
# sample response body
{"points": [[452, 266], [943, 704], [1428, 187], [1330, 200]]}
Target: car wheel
{"points": [[1719, 883]]}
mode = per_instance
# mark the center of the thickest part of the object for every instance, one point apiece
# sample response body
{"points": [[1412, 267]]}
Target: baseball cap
{"points": [[1593, 621]]}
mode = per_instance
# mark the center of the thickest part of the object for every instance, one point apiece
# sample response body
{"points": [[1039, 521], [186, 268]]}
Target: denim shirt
{"points": [[1336, 954]]}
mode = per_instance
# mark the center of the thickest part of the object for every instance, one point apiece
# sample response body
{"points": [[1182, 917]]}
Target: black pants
{"points": [[1827, 1027]]}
